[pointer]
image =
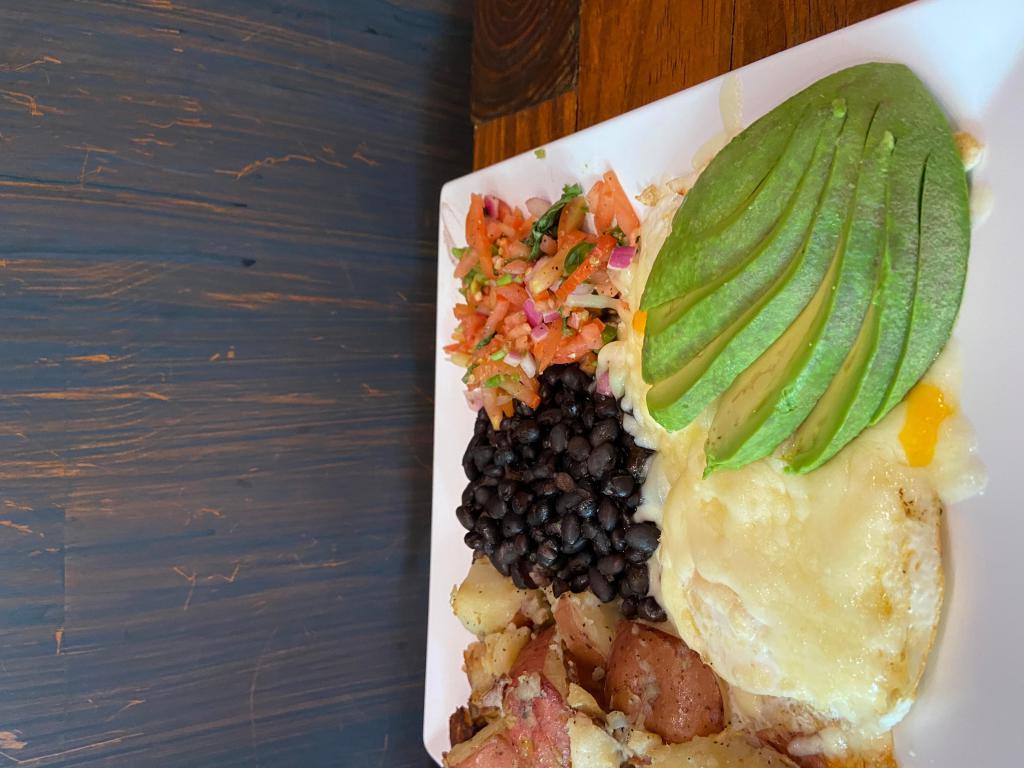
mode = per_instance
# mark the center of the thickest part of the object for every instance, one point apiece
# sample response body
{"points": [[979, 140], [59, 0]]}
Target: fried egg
{"points": [[822, 590]]}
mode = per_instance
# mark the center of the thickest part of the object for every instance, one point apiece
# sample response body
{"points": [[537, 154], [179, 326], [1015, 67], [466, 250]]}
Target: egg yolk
{"points": [[926, 410], [639, 321]]}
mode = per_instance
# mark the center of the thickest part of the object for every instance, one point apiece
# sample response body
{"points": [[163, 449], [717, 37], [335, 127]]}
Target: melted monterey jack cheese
{"points": [[824, 588]]}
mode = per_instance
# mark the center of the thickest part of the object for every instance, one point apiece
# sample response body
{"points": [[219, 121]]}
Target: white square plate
{"points": [[970, 53]]}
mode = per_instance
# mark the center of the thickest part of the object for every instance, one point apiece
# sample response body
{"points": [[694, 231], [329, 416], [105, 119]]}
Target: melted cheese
{"points": [[824, 588]]}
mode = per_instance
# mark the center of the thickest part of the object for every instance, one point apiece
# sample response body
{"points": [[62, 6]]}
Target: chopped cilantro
{"points": [[610, 333], [576, 256], [483, 342], [618, 234], [548, 222], [540, 154]]}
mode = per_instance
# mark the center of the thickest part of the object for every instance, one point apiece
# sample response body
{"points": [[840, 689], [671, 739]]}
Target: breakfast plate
{"points": [[970, 55]]}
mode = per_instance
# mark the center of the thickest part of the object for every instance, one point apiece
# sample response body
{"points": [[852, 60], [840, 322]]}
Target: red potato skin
{"points": [[496, 752], [657, 681], [538, 726]]}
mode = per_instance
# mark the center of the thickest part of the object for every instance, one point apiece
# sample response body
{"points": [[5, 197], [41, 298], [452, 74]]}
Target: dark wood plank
{"points": [[524, 53], [506, 136], [216, 392], [633, 52], [763, 28]]}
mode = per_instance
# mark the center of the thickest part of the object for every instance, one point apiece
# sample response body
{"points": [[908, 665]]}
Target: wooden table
{"points": [[217, 220]]}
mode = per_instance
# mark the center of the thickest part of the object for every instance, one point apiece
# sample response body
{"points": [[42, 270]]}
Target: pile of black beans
{"points": [[551, 496]]}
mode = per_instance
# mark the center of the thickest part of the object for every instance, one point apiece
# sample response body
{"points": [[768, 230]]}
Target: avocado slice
{"points": [[775, 394], [700, 316], [781, 340], [676, 400], [854, 394]]}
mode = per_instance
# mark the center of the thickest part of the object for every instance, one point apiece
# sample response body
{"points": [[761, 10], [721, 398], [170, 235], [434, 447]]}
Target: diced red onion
{"points": [[552, 316], [604, 386], [539, 332], [513, 358], [533, 316], [491, 206], [548, 245], [537, 206], [529, 365], [622, 257]]}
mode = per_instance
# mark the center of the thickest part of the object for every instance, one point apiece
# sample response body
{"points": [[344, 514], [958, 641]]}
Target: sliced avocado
{"points": [[676, 400], [700, 316], [854, 393], [774, 395]]}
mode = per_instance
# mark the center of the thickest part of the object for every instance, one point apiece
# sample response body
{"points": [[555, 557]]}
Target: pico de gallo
{"points": [[536, 290]]}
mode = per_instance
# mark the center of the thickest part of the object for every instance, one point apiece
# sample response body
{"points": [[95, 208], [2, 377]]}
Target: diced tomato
{"points": [[514, 293], [597, 259], [602, 206], [466, 263], [625, 216], [544, 351], [572, 217], [496, 316], [476, 235]]}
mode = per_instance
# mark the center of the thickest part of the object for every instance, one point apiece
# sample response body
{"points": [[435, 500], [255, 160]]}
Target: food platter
{"points": [[971, 56]]}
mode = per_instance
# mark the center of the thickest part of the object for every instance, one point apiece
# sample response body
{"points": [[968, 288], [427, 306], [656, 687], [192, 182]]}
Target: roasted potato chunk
{"points": [[662, 685], [486, 601]]}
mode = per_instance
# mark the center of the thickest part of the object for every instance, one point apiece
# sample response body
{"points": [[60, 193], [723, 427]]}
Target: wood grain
{"points": [[217, 273], [525, 129], [763, 28], [524, 53], [633, 52]]}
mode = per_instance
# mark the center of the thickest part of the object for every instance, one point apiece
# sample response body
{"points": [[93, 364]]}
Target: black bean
{"points": [[496, 507], [468, 495], [628, 607], [506, 552], [527, 453], [602, 545], [469, 467], [607, 515], [566, 502], [576, 546], [624, 589], [587, 416], [483, 455], [488, 529], [601, 460], [633, 500], [482, 423], [521, 502], [559, 586], [578, 448], [506, 489], [643, 536], [547, 552], [553, 527], [636, 463], [604, 431], [501, 440], [611, 565], [636, 576], [618, 539], [580, 562], [512, 524], [605, 406], [481, 495], [465, 517], [504, 457], [637, 555], [578, 469], [549, 417], [521, 544], [579, 583], [618, 486], [587, 507], [493, 470], [537, 535], [518, 577], [539, 513], [558, 438], [522, 409], [564, 482], [600, 586], [573, 378], [474, 541], [650, 610], [589, 530], [526, 432], [570, 529], [545, 487], [499, 565]]}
